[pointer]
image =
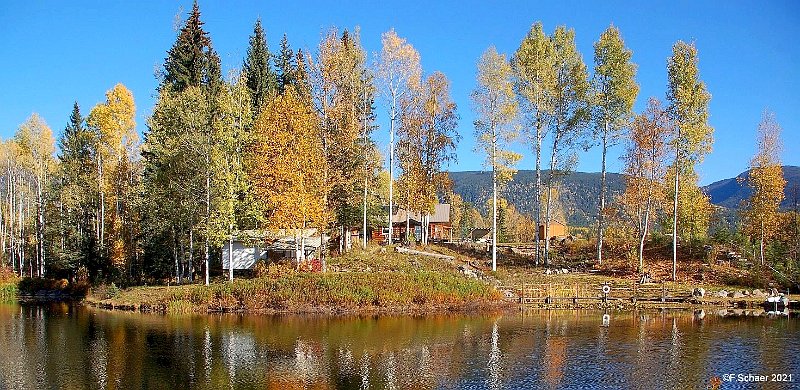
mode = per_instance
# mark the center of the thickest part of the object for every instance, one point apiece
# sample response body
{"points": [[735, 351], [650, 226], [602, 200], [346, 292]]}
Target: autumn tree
{"points": [[535, 75], [496, 106], [570, 116], [645, 168], [398, 71], [343, 92], [693, 136], [117, 150], [614, 92], [261, 80], [284, 162], [33, 148], [427, 140], [767, 182]]}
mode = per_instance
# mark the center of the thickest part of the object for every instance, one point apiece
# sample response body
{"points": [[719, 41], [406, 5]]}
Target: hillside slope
{"points": [[732, 192], [578, 192]]}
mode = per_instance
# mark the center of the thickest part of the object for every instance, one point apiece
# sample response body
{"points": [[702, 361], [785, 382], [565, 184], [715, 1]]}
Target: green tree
{"points": [[688, 109], [191, 61], [535, 76], [261, 80], [75, 192], [615, 90], [285, 66], [570, 116], [496, 106]]}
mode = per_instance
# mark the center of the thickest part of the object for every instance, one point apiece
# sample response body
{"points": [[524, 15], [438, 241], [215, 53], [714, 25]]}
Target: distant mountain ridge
{"points": [[732, 192], [580, 191]]}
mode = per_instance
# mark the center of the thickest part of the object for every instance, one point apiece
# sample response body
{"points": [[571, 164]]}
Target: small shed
{"points": [[556, 229], [480, 234], [247, 250], [253, 245]]}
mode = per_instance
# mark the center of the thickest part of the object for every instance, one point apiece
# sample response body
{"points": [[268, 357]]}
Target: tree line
{"points": [[543, 96], [285, 143]]}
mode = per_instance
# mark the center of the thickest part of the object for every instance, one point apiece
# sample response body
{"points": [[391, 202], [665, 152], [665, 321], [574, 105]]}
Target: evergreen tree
{"points": [[261, 81], [285, 65], [73, 244], [191, 61]]}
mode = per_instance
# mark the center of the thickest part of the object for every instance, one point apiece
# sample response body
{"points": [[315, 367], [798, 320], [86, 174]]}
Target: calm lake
{"points": [[62, 346]]}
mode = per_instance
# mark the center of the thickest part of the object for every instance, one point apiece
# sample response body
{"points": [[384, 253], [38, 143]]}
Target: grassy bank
{"points": [[8, 292], [376, 280]]}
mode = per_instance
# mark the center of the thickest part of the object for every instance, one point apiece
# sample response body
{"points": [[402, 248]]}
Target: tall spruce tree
{"points": [[261, 81], [191, 61], [285, 65], [73, 198]]}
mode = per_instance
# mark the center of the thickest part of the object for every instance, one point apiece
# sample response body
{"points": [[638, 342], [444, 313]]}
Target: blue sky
{"points": [[54, 53]]}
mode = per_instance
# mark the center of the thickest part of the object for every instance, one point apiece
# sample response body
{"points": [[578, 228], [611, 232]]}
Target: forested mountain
{"points": [[578, 192], [732, 192]]}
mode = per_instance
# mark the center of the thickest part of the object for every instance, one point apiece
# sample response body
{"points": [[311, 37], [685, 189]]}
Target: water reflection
{"points": [[72, 347]]}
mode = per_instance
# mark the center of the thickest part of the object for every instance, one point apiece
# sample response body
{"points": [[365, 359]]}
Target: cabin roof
{"points": [[441, 214]]}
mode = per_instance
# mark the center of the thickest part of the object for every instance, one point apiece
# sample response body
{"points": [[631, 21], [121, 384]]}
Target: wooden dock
{"points": [[613, 291]]}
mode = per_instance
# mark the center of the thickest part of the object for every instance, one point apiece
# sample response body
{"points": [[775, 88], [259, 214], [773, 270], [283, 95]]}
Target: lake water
{"points": [[63, 346]]}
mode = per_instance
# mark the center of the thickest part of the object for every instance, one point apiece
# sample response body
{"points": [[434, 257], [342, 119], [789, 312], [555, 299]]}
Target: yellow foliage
{"points": [[285, 164]]}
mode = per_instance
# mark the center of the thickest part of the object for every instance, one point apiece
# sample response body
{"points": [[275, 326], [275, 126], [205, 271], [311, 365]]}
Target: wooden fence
{"points": [[562, 293]]}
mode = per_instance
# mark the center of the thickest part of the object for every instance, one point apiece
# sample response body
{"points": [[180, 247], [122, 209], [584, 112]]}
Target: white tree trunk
{"points": [[230, 257], [494, 202], [602, 206], [675, 216], [391, 165]]}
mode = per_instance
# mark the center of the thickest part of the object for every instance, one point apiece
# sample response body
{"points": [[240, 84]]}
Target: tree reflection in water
{"points": [[64, 346]]}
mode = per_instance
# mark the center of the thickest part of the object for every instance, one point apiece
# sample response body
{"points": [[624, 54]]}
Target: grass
{"points": [[373, 280], [8, 292], [380, 279]]}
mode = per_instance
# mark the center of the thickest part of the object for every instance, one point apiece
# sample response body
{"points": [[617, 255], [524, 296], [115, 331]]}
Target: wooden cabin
{"points": [[439, 226]]}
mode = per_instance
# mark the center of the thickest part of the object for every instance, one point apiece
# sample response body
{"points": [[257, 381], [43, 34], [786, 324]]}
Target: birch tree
{"points": [[496, 107], [343, 90], [767, 182], [284, 163], [117, 143], [534, 65], [614, 92], [427, 138], [35, 146], [570, 116], [398, 71], [645, 168], [688, 109]]}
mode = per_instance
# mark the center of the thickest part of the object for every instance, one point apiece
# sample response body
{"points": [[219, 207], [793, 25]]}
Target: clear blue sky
{"points": [[54, 53]]}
